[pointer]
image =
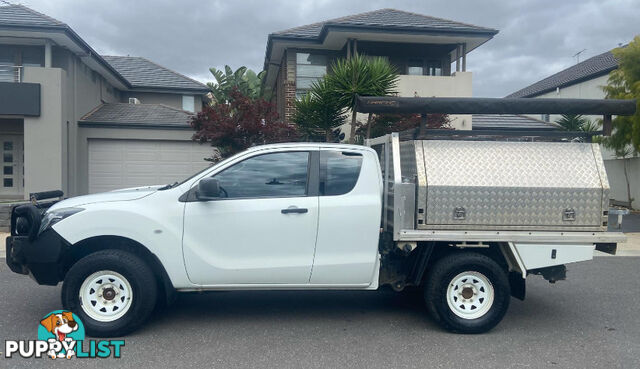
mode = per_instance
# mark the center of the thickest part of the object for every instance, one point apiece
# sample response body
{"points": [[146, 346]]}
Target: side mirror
{"points": [[208, 189]]}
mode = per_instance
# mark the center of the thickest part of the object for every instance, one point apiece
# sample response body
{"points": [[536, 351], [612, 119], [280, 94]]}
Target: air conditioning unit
{"points": [[133, 100]]}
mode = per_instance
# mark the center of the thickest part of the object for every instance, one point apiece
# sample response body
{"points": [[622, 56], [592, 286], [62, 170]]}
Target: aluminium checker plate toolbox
{"points": [[494, 185]]}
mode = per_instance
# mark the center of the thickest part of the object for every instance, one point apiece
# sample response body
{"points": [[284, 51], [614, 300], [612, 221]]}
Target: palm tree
{"points": [[572, 122], [246, 80], [590, 126], [361, 76], [318, 112]]}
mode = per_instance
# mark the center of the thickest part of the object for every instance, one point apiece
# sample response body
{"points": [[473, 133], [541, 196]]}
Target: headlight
{"points": [[54, 216]]}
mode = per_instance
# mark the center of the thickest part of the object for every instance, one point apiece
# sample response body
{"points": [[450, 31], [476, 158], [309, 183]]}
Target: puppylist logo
{"points": [[61, 335]]}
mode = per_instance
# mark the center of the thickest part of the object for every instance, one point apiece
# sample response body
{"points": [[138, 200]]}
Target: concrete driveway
{"points": [[589, 321]]}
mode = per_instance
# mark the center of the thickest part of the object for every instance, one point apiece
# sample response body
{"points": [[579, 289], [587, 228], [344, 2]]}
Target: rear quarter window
{"points": [[339, 172]]}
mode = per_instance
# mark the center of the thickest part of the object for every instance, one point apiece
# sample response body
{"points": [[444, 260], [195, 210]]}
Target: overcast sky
{"points": [[537, 37]]}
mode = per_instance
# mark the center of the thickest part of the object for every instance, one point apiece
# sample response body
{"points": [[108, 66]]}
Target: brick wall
{"points": [[289, 84]]}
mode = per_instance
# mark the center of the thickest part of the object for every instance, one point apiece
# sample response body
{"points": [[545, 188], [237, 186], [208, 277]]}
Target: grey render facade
{"points": [[429, 54], [584, 81], [56, 92]]}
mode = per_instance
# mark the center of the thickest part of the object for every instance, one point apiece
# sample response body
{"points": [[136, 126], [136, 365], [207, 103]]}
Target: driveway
{"points": [[589, 321]]}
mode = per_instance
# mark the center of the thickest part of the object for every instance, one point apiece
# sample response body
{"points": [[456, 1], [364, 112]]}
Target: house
{"points": [[421, 47], [580, 81], [584, 81], [75, 120]]}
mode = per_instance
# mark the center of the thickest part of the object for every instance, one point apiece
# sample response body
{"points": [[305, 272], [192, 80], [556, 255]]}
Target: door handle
{"points": [[294, 211]]}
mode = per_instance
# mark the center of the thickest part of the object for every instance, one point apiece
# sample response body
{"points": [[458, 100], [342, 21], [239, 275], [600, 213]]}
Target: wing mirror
{"points": [[208, 189]]}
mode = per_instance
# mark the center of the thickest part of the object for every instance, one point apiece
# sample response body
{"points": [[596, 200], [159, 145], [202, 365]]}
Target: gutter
{"points": [[168, 126], [79, 41]]}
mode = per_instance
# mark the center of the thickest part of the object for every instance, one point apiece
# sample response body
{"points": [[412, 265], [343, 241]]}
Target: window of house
{"points": [[339, 172], [270, 175], [415, 67], [7, 61], [545, 117], [309, 68], [33, 56], [188, 103], [434, 68]]}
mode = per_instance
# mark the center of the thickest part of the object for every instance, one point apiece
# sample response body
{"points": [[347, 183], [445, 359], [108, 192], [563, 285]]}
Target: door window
{"points": [[7, 164], [415, 67], [339, 172], [434, 68], [282, 174]]}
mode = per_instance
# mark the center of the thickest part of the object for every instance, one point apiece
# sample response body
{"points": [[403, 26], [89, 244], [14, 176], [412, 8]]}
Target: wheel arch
{"points": [[500, 252], [91, 245]]}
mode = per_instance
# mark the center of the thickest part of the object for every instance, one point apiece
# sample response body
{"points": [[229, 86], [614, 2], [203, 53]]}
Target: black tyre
{"points": [[467, 292], [112, 291]]}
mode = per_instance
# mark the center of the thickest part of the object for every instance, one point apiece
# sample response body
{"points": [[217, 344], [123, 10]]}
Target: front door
{"points": [[262, 230], [12, 166]]}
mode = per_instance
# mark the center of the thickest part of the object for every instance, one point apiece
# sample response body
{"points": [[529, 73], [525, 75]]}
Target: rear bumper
{"points": [[41, 258]]}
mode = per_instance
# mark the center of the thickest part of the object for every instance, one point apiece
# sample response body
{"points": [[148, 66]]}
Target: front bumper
{"points": [[42, 258]]}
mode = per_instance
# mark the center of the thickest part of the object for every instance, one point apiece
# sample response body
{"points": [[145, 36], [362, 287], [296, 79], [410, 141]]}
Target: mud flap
{"points": [[518, 285]]}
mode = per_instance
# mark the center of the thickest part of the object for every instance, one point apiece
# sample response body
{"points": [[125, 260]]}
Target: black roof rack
{"points": [[482, 105]]}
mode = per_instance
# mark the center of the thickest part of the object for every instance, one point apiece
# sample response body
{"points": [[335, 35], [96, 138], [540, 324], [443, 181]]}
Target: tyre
{"points": [[467, 292], [112, 291]]}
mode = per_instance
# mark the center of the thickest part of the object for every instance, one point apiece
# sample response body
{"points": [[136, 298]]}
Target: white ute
{"points": [[315, 216]]}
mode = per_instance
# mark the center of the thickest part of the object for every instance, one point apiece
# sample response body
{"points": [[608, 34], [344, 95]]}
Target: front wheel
{"points": [[112, 291], [467, 292]]}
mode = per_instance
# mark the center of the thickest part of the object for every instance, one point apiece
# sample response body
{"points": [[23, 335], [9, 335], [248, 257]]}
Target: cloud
{"points": [[536, 39]]}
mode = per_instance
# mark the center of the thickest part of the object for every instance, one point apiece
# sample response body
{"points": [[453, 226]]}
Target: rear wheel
{"points": [[467, 292], [112, 291]]}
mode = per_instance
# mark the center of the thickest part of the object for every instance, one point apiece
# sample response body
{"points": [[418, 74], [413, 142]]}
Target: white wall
{"points": [[592, 89], [618, 183], [44, 137], [459, 84]]}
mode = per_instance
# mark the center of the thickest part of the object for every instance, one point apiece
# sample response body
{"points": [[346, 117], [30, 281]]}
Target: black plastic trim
{"points": [[313, 180], [609, 248], [42, 258]]}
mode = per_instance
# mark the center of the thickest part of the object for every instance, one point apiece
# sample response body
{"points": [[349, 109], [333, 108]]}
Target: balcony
{"points": [[456, 85], [17, 97]]}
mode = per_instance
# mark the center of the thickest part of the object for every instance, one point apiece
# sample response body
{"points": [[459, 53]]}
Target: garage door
{"points": [[115, 164]]}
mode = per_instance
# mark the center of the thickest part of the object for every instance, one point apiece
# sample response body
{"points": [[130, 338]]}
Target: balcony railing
{"points": [[10, 73]]}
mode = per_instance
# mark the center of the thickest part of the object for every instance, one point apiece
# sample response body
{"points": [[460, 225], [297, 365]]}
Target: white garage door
{"points": [[115, 164]]}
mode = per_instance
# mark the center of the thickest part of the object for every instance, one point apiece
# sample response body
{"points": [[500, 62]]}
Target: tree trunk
{"points": [[369, 125], [352, 136], [626, 177], [327, 135]]}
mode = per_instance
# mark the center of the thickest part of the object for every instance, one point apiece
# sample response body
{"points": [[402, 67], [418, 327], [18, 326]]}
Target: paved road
{"points": [[591, 320]]}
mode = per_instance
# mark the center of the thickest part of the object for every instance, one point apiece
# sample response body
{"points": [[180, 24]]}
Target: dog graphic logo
{"points": [[61, 329], [61, 336]]}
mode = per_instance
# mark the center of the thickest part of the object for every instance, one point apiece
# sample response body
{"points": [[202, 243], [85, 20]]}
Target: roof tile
{"points": [[509, 121], [141, 72], [385, 18], [19, 15], [138, 114], [590, 68]]}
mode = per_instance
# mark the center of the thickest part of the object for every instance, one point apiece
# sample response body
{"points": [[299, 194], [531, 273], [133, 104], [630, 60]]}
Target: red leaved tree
{"points": [[240, 124], [381, 124]]}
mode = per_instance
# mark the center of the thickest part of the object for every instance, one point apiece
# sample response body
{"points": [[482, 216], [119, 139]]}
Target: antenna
{"points": [[577, 55]]}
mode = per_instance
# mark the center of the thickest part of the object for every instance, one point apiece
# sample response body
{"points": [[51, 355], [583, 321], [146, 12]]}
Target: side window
{"points": [[281, 174], [339, 172]]}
